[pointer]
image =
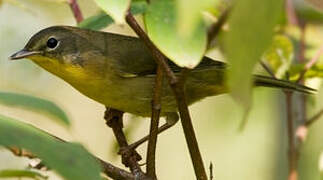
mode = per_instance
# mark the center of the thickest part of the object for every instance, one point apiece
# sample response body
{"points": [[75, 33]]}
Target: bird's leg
{"points": [[171, 120], [114, 120]]}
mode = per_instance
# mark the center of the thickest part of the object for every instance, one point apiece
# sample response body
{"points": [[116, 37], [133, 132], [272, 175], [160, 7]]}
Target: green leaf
{"points": [[115, 8], [316, 71], [102, 20], [96, 22], [9, 173], [36, 104], [251, 26], [138, 7], [308, 12], [161, 24], [70, 160], [316, 3], [190, 14], [280, 55]]}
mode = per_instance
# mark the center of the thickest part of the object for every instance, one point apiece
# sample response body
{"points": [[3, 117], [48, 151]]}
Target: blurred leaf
{"points": [[8, 173], [279, 55], [161, 24], [251, 26], [308, 12], [317, 3], [36, 104], [190, 14], [138, 7], [316, 71], [115, 8], [102, 20], [70, 160], [96, 22], [321, 165]]}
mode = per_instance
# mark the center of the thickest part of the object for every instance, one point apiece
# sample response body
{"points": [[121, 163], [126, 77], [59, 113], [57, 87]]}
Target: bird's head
{"points": [[53, 44], [62, 49]]}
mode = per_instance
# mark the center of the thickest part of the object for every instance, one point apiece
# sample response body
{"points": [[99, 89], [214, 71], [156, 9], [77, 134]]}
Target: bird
{"points": [[119, 71]]}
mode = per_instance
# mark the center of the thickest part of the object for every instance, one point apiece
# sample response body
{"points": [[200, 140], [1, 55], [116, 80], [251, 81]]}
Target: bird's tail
{"points": [[277, 83]]}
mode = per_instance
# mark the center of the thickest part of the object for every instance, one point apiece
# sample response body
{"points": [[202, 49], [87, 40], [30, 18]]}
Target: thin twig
{"points": [[302, 46], [156, 108], [215, 28], [211, 171], [292, 151], [314, 118], [291, 14], [268, 69], [310, 63], [130, 158], [180, 97], [76, 10]]}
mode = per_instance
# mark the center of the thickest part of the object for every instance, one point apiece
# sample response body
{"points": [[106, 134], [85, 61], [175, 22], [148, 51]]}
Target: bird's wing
{"points": [[131, 57]]}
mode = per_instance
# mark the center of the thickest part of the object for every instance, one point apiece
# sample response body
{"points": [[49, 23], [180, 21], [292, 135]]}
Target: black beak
{"points": [[23, 54]]}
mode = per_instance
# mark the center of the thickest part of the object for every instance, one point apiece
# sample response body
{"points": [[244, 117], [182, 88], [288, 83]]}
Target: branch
{"points": [[76, 10], [291, 14], [156, 108], [301, 131], [292, 151], [211, 171], [314, 118], [130, 158], [178, 89], [107, 168], [268, 69], [215, 28]]}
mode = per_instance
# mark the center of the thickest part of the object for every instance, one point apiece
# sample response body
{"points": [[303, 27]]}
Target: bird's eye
{"points": [[52, 43]]}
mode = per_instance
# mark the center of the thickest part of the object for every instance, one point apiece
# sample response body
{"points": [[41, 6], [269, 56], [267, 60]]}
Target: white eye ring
{"points": [[52, 43]]}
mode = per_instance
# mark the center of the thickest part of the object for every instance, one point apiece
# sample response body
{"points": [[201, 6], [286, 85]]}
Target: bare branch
{"points": [[76, 10], [292, 151], [291, 14], [268, 69], [156, 108], [178, 89], [130, 158], [211, 171], [215, 28], [314, 118]]}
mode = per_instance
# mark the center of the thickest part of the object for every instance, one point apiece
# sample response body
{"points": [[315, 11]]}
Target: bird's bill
{"points": [[23, 54]]}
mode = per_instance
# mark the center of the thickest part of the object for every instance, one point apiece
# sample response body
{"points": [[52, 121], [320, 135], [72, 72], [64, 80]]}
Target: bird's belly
{"points": [[134, 95], [128, 95]]}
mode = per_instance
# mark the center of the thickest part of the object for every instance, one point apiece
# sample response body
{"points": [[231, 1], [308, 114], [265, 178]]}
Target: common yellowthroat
{"points": [[119, 71]]}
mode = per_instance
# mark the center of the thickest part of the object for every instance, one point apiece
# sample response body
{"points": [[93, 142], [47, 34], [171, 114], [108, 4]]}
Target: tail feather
{"points": [[277, 83]]}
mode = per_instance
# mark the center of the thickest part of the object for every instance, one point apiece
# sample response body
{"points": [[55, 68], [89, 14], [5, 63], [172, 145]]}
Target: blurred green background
{"points": [[258, 152]]}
